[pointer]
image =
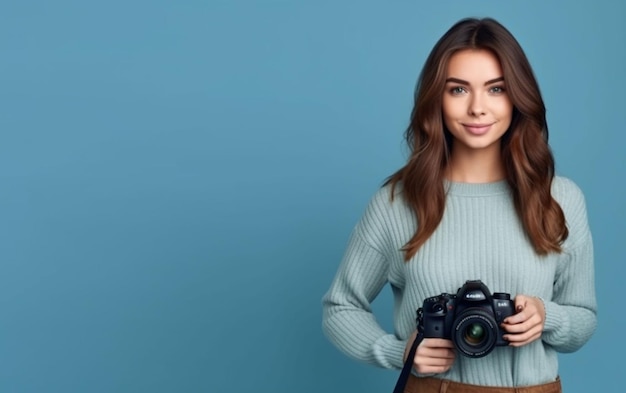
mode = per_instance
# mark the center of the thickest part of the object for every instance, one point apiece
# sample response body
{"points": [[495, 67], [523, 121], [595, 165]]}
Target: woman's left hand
{"points": [[526, 325]]}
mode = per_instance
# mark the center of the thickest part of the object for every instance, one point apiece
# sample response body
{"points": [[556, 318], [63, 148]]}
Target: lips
{"points": [[477, 129]]}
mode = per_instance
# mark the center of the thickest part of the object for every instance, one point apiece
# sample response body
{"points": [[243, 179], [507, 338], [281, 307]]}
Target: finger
{"points": [[520, 303], [524, 337], [432, 369], [522, 327], [439, 353], [437, 343], [517, 318], [436, 348], [520, 315], [433, 361], [527, 341], [513, 326], [529, 312], [426, 364]]}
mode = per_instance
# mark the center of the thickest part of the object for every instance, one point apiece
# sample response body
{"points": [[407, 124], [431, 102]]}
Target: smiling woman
{"points": [[478, 199]]}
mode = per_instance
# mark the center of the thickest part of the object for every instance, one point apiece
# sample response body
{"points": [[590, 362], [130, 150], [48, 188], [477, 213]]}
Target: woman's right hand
{"points": [[433, 355]]}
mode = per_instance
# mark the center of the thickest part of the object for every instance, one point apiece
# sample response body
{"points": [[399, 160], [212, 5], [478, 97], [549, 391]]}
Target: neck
{"points": [[472, 166]]}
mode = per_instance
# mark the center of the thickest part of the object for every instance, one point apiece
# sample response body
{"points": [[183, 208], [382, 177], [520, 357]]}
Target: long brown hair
{"points": [[527, 158]]}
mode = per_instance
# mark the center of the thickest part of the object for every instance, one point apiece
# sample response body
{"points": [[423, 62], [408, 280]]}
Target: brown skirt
{"points": [[435, 385]]}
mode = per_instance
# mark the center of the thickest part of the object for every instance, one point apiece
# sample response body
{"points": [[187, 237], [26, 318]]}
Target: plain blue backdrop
{"points": [[179, 180]]}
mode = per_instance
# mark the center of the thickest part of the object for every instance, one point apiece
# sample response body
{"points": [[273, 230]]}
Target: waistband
{"points": [[436, 385]]}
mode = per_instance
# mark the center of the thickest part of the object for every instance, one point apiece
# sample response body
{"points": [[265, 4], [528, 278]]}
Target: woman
{"points": [[477, 199]]}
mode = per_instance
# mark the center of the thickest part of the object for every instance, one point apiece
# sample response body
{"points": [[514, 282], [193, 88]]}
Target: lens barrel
{"points": [[475, 332]]}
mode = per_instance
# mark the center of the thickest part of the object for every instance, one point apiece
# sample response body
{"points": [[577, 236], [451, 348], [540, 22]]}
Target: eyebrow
{"points": [[462, 82]]}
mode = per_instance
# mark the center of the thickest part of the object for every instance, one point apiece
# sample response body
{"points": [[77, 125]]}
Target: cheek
{"points": [[506, 117], [448, 114], [452, 108], [505, 109]]}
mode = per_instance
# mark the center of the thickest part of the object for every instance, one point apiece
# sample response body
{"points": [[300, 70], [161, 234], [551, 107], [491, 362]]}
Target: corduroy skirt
{"points": [[435, 385]]}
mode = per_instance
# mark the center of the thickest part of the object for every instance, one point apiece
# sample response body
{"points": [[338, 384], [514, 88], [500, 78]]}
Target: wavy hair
{"points": [[526, 155]]}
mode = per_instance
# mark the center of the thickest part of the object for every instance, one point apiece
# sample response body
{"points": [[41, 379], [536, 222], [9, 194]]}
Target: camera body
{"points": [[471, 318]]}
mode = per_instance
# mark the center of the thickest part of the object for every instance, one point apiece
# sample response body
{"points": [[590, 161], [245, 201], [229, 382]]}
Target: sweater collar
{"points": [[476, 189]]}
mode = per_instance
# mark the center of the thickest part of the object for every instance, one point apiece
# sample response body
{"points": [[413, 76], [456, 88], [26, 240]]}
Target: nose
{"points": [[476, 106]]}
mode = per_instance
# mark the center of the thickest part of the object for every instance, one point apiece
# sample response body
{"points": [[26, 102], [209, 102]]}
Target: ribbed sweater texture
{"points": [[479, 237]]}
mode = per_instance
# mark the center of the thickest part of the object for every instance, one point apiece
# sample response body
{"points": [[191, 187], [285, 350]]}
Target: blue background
{"points": [[179, 180]]}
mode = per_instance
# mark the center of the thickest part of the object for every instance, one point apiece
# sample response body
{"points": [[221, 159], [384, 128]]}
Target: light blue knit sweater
{"points": [[479, 237]]}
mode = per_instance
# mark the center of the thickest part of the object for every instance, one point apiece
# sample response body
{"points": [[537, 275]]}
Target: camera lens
{"points": [[475, 333]]}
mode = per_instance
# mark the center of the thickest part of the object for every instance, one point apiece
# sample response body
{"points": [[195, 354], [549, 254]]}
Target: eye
{"points": [[458, 90], [497, 90]]}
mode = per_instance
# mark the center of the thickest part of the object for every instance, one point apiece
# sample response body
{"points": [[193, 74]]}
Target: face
{"points": [[476, 108]]}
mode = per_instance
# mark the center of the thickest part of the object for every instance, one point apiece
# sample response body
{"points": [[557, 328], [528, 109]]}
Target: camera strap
{"points": [[408, 363]]}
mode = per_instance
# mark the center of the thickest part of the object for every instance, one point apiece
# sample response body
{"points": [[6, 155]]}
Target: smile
{"points": [[477, 129]]}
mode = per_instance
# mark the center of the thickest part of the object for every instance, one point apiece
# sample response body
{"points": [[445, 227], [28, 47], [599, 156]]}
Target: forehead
{"points": [[474, 65]]}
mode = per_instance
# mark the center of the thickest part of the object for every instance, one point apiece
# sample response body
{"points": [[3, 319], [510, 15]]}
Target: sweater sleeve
{"points": [[571, 314], [348, 321]]}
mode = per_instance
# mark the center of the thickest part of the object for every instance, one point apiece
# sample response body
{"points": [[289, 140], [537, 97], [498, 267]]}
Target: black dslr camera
{"points": [[471, 318]]}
